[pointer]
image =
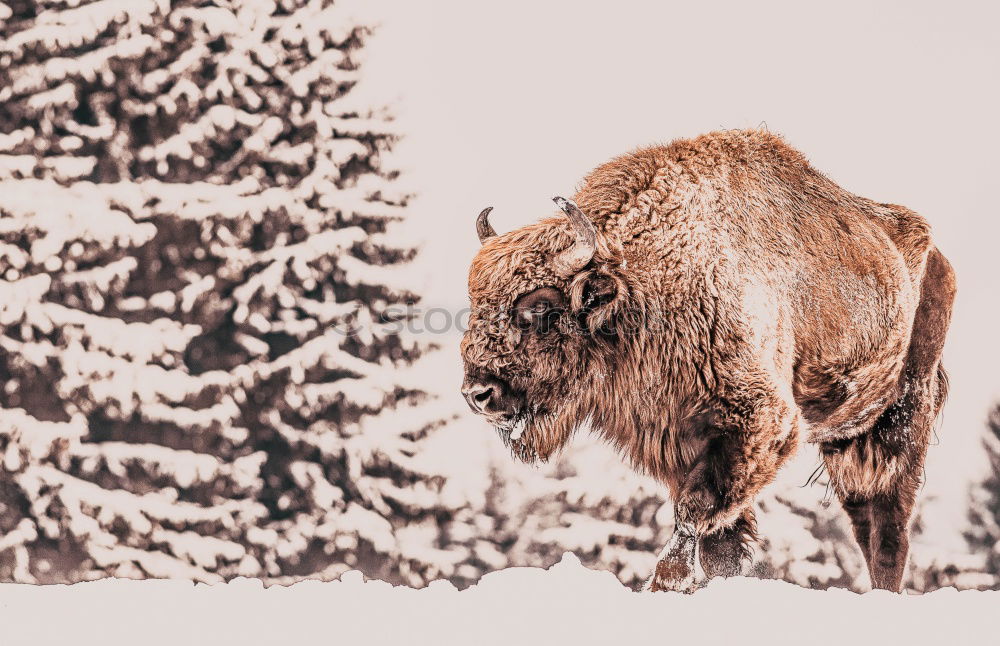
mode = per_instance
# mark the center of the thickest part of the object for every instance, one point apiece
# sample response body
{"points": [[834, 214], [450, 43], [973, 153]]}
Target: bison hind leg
{"points": [[877, 474]]}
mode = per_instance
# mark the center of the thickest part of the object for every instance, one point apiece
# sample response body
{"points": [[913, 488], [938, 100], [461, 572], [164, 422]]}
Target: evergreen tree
{"points": [[984, 514], [590, 503], [204, 367]]}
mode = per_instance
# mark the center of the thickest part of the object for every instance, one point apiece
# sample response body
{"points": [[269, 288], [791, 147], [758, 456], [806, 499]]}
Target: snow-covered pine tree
{"points": [[984, 514], [197, 265], [586, 502], [592, 504]]}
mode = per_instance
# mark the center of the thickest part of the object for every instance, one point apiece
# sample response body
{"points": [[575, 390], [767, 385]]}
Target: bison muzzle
{"points": [[702, 305]]}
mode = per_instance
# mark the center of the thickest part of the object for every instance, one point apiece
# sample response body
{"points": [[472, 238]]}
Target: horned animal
{"points": [[702, 305]]}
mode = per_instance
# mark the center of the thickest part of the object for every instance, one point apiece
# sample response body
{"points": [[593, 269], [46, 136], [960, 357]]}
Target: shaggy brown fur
{"points": [[737, 299]]}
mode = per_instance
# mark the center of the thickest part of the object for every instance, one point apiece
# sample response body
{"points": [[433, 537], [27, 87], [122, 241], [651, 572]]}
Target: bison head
{"points": [[543, 300]]}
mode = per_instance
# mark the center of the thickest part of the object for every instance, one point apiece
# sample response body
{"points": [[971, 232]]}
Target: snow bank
{"points": [[567, 604]]}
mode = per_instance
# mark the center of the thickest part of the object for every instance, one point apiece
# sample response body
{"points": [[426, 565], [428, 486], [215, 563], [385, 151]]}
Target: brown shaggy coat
{"points": [[737, 300]]}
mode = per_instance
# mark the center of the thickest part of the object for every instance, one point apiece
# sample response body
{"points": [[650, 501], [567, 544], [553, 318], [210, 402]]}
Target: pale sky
{"points": [[509, 103]]}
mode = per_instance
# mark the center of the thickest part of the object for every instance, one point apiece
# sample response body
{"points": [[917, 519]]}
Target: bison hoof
{"points": [[675, 570], [672, 577]]}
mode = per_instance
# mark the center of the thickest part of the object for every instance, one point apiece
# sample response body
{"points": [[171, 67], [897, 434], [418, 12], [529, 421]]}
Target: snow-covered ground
{"points": [[567, 604]]}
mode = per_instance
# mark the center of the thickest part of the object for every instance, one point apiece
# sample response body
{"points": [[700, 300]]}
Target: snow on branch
{"points": [[198, 246]]}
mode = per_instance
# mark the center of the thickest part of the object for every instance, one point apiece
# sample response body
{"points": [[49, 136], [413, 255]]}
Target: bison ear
{"points": [[595, 297]]}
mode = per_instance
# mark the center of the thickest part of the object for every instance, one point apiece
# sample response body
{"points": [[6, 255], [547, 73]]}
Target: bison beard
{"points": [[533, 433], [783, 305], [522, 444]]}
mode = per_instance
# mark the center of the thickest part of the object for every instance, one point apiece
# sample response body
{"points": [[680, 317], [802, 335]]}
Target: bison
{"points": [[702, 305]]}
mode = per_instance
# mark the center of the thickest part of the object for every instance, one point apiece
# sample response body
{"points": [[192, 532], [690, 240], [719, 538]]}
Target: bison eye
{"points": [[538, 310], [539, 317], [525, 319]]}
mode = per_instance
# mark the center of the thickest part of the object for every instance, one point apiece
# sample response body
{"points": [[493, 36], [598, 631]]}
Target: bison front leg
{"points": [[720, 553], [675, 569], [723, 552], [753, 432]]}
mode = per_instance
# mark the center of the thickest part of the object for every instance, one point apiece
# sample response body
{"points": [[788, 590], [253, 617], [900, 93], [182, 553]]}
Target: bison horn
{"points": [[576, 257], [483, 227]]}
